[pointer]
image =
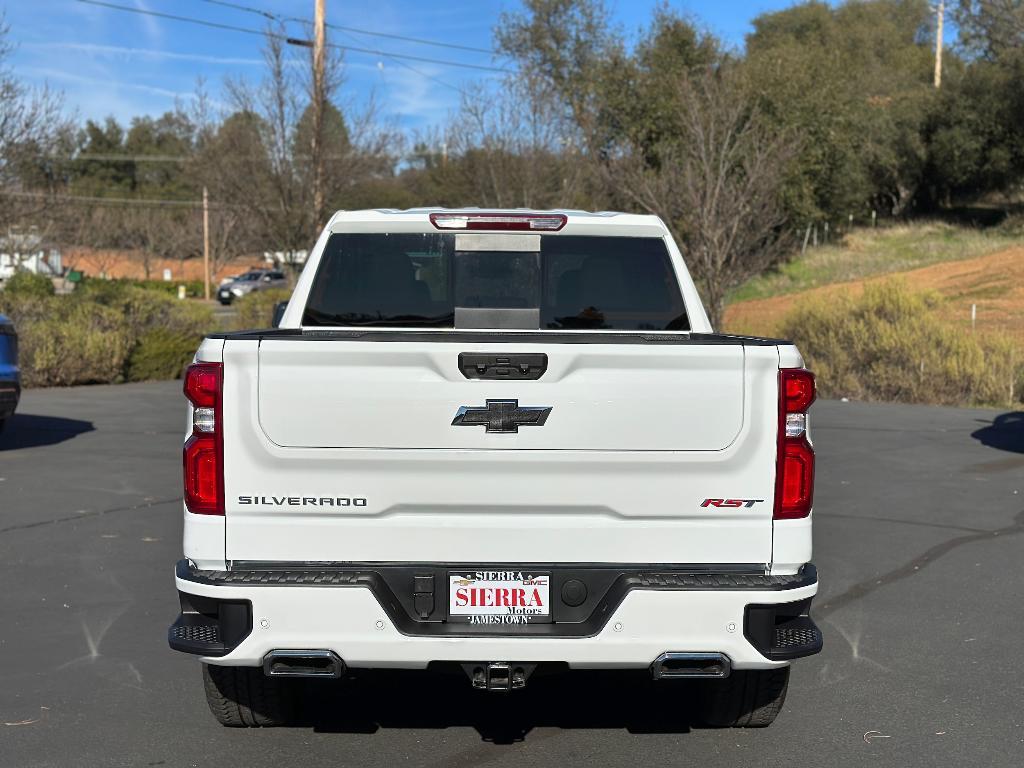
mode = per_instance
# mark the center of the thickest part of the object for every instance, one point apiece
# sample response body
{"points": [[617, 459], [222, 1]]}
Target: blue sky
{"points": [[110, 62]]}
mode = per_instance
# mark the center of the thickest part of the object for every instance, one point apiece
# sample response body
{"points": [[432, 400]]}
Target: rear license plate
{"points": [[499, 597]]}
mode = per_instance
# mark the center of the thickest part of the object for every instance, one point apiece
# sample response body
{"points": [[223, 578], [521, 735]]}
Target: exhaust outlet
{"points": [[302, 663], [672, 665]]}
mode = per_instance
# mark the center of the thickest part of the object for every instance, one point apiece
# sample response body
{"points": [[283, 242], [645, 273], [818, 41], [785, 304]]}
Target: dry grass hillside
{"points": [[995, 283]]}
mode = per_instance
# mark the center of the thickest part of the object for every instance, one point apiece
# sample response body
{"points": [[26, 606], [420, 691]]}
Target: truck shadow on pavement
{"points": [[26, 430], [400, 699], [1004, 433]]}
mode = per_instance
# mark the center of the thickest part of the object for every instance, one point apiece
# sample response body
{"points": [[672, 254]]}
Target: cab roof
{"points": [[607, 223]]}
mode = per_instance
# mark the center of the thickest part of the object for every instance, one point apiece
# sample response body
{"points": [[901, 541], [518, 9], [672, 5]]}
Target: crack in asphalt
{"points": [[873, 519], [864, 588], [816, 427], [87, 515]]}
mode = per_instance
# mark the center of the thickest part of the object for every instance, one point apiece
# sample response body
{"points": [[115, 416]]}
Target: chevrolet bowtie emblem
{"points": [[501, 416]]}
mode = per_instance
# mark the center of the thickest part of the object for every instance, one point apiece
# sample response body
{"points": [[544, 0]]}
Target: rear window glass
{"points": [[572, 282]]}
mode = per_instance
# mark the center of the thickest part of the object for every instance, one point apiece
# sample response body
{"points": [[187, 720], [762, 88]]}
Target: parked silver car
{"points": [[253, 280]]}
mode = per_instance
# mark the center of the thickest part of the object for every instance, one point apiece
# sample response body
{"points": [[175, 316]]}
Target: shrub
{"points": [[105, 332], [28, 284], [145, 309], [165, 331], [193, 288], [1013, 225], [160, 354], [256, 310], [890, 344], [64, 342]]}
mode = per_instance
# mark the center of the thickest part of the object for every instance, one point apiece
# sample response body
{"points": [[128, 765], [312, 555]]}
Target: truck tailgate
{"points": [[351, 394], [346, 451]]}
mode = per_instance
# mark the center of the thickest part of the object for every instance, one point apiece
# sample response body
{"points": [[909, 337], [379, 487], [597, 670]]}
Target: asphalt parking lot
{"points": [[918, 519]]}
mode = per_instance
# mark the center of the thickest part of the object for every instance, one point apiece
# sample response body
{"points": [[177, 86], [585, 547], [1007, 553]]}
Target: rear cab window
{"points": [[437, 280]]}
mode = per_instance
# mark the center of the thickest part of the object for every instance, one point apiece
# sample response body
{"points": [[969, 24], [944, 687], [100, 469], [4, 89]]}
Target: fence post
{"points": [[807, 236], [874, 218]]}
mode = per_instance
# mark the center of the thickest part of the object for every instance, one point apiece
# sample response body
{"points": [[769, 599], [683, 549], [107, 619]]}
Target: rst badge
{"points": [[499, 597], [731, 503]]}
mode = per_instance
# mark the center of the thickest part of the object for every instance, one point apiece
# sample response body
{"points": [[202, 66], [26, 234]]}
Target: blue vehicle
{"points": [[10, 378]]}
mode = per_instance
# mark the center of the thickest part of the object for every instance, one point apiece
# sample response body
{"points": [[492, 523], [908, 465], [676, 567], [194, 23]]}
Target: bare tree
{"points": [[93, 229], [32, 125], [514, 150], [718, 186], [143, 233], [261, 157], [160, 233], [228, 239]]}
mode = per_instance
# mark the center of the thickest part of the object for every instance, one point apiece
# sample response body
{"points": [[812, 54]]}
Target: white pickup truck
{"points": [[496, 442]]}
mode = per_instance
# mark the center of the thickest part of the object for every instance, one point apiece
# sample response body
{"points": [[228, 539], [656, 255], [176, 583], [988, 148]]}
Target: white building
{"points": [[27, 251]]}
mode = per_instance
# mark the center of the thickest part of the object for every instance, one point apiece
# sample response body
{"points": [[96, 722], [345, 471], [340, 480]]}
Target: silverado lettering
{"points": [[303, 501]]}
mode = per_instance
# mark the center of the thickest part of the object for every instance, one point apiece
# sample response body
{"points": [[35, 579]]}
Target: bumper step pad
{"points": [[788, 638], [782, 631], [210, 627]]}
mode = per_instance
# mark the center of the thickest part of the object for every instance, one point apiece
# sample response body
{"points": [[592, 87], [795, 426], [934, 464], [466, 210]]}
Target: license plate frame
{"points": [[511, 609]]}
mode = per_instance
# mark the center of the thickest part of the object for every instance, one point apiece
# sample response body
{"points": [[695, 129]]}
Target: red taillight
{"points": [[794, 474], [528, 222], [202, 384], [203, 455], [798, 387]]}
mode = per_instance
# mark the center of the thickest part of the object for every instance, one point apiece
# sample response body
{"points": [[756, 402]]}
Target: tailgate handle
{"points": [[525, 367]]}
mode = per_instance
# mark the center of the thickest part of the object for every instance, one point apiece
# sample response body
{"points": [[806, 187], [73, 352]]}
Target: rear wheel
{"points": [[745, 699], [243, 697]]}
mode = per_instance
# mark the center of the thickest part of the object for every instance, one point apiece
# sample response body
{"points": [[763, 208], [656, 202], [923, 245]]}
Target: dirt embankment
{"points": [[995, 283]]}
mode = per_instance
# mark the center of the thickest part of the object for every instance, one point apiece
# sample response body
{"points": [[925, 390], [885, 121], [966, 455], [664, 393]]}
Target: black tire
{"points": [[243, 697], [745, 699]]}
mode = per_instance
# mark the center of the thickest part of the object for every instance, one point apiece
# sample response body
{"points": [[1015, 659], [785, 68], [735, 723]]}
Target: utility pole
{"points": [[319, 97], [940, 11], [206, 244]]}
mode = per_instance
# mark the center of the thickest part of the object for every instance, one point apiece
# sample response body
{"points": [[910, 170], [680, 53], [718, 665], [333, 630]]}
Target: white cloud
{"points": [[148, 53], [61, 75], [97, 97], [413, 95], [152, 27]]}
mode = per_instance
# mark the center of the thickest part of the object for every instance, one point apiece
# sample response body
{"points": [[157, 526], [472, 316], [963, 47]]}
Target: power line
{"points": [[84, 156], [119, 201], [404, 38], [345, 31], [125, 158], [284, 38]]}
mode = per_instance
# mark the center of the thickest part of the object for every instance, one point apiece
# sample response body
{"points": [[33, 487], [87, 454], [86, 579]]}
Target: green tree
{"points": [[855, 80], [975, 136], [567, 44], [170, 138], [639, 92], [991, 28]]}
